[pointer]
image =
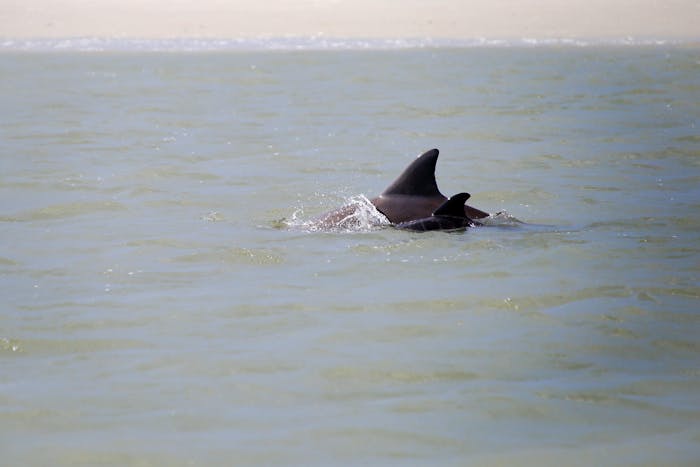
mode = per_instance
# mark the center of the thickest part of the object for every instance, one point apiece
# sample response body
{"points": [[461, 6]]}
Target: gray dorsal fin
{"points": [[453, 207], [418, 179]]}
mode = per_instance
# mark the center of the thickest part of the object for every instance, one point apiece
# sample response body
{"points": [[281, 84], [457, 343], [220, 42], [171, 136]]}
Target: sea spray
{"points": [[361, 216]]}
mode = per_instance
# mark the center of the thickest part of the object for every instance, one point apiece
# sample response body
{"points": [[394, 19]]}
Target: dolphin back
{"points": [[453, 207]]}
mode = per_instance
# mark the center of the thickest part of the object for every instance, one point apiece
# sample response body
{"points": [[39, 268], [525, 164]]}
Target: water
{"points": [[163, 303]]}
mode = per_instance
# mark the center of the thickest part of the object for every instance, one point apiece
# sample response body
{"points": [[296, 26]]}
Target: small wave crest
{"points": [[315, 42], [502, 219], [358, 214]]}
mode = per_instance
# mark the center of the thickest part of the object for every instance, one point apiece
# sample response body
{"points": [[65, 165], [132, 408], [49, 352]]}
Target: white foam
{"points": [[363, 217], [97, 44]]}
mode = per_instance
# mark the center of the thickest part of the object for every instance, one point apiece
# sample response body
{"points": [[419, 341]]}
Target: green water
{"points": [[162, 303]]}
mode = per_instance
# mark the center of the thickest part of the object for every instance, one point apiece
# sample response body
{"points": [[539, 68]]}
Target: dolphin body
{"points": [[413, 195], [449, 216]]}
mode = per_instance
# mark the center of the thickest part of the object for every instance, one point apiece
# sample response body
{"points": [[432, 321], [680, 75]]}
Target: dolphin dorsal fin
{"points": [[418, 179], [453, 207]]}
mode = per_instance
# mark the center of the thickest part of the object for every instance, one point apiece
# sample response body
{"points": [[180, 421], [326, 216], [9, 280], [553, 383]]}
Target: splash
{"points": [[358, 214]]}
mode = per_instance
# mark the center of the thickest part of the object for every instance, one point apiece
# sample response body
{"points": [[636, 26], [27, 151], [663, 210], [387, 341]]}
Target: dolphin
{"points": [[449, 216], [413, 195]]}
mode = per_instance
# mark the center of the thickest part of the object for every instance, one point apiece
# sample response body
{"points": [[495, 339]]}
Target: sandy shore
{"points": [[351, 18]]}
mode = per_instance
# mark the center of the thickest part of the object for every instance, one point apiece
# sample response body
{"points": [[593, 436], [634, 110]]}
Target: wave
{"points": [[100, 44]]}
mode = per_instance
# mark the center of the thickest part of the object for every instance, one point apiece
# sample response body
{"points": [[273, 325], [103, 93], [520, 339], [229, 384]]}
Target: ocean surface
{"points": [[167, 299]]}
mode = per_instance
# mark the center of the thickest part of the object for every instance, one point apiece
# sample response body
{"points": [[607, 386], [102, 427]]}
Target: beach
{"points": [[159, 19]]}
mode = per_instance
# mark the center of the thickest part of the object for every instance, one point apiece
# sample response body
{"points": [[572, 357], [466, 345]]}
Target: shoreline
{"points": [[313, 43], [437, 20]]}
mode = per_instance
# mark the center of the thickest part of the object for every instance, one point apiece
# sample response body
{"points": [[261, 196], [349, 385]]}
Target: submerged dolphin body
{"points": [[413, 195], [449, 216]]}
